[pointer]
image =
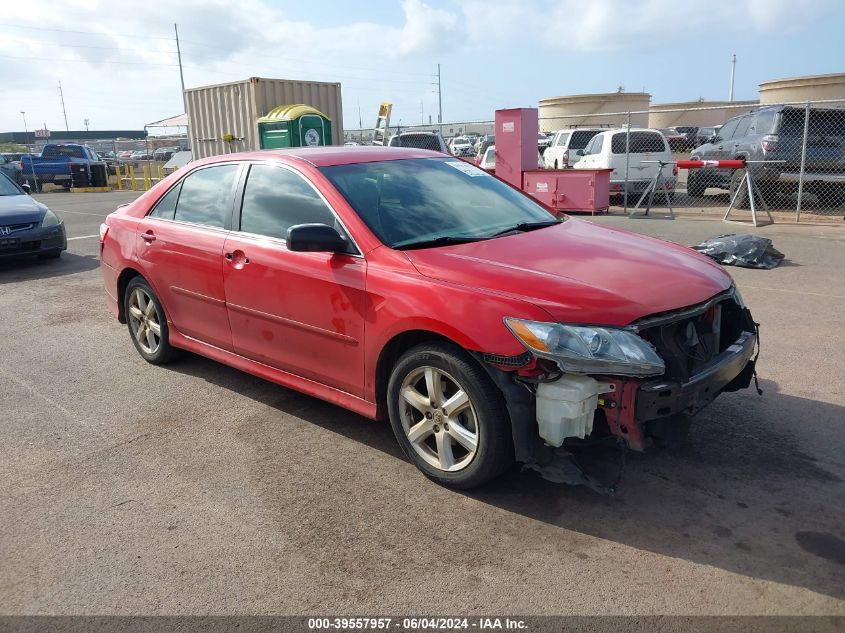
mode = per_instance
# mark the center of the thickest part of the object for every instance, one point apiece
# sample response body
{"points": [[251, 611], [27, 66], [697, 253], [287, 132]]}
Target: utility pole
{"points": [[733, 74], [62, 95], [26, 138], [439, 101], [86, 124], [181, 75]]}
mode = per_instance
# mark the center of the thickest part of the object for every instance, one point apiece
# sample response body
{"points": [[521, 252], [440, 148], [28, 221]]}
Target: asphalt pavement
{"points": [[197, 489]]}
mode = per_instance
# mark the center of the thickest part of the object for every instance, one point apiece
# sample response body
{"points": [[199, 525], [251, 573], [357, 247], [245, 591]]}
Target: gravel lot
{"points": [[193, 489]]}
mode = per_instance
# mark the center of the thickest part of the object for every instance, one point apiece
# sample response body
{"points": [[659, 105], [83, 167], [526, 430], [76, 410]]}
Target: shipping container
{"points": [[224, 117]]}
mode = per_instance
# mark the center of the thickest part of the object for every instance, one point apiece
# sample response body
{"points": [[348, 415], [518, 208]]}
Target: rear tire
{"points": [[147, 323], [696, 185], [449, 417], [742, 200]]}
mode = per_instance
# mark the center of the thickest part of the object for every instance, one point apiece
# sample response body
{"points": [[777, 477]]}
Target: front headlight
{"points": [[582, 349], [50, 219]]}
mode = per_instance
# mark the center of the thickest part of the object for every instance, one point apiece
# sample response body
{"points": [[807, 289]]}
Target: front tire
{"points": [[147, 323], [449, 417]]}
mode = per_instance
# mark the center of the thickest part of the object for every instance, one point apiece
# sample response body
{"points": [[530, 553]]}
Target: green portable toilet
{"points": [[296, 125]]}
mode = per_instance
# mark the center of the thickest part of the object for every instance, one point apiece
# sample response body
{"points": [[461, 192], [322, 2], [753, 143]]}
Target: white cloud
{"points": [[615, 25]]}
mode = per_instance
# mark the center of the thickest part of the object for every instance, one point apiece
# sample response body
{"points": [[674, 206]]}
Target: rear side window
{"points": [[418, 141], [595, 145], [276, 199], [639, 143], [166, 206], [764, 122], [206, 196], [580, 138], [728, 129], [742, 127], [562, 138]]}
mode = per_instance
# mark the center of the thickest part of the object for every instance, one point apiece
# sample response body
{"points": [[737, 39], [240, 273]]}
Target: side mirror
{"points": [[316, 238], [25, 186], [579, 152]]}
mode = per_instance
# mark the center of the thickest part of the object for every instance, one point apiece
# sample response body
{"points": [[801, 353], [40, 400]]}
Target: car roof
{"points": [[328, 155], [633, 129]]}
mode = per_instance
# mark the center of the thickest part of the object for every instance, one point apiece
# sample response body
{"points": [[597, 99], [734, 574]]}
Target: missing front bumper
{"points": [[660, 398]]}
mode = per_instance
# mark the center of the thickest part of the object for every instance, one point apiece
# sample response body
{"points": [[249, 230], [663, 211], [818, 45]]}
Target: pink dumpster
{"points": [[585, 190]]}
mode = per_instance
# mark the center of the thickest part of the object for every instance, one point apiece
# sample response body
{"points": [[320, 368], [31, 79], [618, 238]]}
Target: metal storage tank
{"points": [[661, 116], [224, 117], [810, 88], [584, 110]]}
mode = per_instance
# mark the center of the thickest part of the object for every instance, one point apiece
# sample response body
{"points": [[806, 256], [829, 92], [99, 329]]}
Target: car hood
{"points": [[580, 272], [20, 210]]}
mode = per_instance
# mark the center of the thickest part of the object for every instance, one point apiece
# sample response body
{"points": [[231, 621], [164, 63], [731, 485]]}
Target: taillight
{"points": [[770, 142], [566, 157]]}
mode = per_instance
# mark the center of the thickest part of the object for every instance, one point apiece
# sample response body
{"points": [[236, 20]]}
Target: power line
{"points": [[43, 28], [87, 61]]}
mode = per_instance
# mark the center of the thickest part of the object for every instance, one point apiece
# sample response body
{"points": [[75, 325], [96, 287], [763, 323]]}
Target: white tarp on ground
{"points": [[180, 120]]}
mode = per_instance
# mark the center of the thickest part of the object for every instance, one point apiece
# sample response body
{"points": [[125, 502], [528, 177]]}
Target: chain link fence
{"points": [[794, 154]]}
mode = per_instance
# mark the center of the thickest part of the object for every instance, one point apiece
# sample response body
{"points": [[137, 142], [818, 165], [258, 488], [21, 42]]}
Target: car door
{"points": [[180, 247], [719, 150], [299, 312]]}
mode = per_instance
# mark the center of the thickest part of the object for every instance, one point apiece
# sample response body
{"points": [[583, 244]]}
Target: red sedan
{"points": [[404, 284]]}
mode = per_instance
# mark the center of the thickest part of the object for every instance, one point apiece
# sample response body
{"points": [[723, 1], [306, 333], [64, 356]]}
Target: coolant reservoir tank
{"points": [[565, 407]]}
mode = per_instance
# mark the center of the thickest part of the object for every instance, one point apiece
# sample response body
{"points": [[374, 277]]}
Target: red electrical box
{"points": [[560, 189], [516, 144], [569, 189]]}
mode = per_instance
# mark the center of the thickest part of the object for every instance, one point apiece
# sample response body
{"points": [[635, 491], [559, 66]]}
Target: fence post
{"points": [[627, 156], [803, 161]]}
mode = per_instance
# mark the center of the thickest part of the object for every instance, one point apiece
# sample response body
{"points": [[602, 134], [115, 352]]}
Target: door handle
{"points": [[237, 258], [148, 237]]}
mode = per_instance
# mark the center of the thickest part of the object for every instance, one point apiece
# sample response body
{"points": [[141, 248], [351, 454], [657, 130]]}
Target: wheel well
{"points": [[126, 275], [391, 352]]}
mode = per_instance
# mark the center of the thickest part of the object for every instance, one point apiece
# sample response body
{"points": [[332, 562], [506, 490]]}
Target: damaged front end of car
{"points": [[638, 385]]}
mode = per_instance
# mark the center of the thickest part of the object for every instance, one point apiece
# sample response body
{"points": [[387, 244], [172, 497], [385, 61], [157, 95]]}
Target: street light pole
{"points": [[733, 75]]}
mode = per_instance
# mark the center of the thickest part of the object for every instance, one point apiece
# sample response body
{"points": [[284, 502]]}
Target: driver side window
{"points": [[276, 198]]}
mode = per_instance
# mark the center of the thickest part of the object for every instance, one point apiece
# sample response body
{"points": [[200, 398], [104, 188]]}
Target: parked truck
{"points": [[54, 164]]}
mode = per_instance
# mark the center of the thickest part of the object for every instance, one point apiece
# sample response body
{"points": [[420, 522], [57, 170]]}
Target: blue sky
{"points": [[120, 72]]}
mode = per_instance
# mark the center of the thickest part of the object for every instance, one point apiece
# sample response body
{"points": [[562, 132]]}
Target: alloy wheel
{"points": [[438, 419], [144, 321]]}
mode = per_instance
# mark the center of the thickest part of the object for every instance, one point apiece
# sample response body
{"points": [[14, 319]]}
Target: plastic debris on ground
{"points": [[748, 251]]}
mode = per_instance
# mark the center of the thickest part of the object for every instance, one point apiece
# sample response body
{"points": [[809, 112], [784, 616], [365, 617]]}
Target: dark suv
{"points": [[776, 134]]}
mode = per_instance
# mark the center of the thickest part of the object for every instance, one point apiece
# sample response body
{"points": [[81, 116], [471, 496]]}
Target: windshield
{"points": [[405, 202], [8, 188]]}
